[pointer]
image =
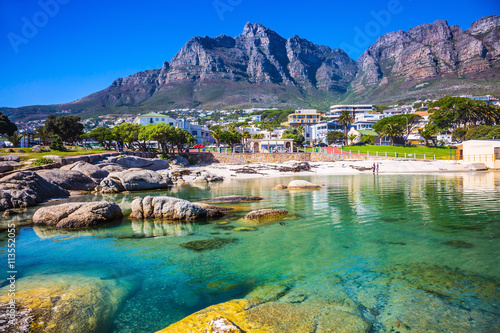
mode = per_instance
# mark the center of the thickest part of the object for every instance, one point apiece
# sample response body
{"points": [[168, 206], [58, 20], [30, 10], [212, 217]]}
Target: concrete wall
{"points": [[481, 151]]}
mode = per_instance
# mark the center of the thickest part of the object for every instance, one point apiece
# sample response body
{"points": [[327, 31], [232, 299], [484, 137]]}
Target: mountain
{"points": [[261, 68], [430, 60]]}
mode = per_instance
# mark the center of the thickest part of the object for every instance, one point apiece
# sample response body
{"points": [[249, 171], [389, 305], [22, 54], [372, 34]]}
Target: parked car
{"points": [[241, 149], [321, 144], [199, 146]]}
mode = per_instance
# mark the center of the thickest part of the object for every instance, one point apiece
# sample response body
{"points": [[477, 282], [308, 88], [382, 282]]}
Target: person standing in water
{"points": [[377, 167], [373, 167]]}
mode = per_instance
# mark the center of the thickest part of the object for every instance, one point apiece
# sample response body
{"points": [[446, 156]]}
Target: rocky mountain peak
{"points": [[257, 30], [484, 25]]}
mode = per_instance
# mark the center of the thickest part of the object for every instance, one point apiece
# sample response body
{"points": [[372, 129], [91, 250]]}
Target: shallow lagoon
{"points": [[423, 249]]}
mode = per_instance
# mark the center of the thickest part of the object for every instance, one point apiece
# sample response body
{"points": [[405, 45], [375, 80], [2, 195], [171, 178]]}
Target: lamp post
{"points": [[407, 134]]}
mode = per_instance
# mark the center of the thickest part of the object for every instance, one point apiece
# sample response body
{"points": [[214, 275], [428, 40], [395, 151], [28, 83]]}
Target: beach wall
{"points": [[208, 158]]}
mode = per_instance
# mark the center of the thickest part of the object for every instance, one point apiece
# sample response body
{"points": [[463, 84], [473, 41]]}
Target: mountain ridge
{"points": [[261, 68]]}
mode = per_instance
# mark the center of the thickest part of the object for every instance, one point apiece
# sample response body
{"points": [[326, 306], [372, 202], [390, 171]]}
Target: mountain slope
{"points": [[430, 60]]}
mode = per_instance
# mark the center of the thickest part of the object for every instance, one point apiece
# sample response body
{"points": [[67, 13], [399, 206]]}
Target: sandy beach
{"points": [[351, 167]]}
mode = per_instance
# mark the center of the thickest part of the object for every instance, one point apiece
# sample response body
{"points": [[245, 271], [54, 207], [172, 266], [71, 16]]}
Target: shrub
{"points": [[42, 161], [57, 144]]}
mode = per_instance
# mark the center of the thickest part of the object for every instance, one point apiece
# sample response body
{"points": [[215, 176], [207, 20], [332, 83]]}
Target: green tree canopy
{"points": [[334, 136], [6, 126], [231, 137], [295, 134], [396, 126], [483, 132], [68, 128], [101, 134]]}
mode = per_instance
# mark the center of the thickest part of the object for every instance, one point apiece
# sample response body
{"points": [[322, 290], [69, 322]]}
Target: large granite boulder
{"points": [[13, 158], [36, 149], [26, 188], [70, 180], [70, 303], [91, 170], [181, 160], [111, 167], [263, 215], [167, 208], [77, 214], [134, 180], [6, 166], [153, 164], [302, 184]]}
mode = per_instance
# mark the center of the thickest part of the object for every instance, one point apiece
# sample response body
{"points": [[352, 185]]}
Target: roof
{"points": [[152, 114], [368, 132]]}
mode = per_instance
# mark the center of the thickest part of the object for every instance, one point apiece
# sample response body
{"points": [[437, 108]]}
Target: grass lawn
{"points": [[440, 153], [71, 152]]}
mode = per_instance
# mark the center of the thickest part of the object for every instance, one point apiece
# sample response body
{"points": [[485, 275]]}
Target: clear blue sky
{"points": [[83, 45]]}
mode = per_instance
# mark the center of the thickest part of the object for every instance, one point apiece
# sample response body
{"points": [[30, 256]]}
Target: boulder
{"points": [[477, 167], [77, 214], [167, 208], [181, 160], [265, 214], [55, 158], [93, 171], [111, 167], [36, 149], [26, 188], [302, 184], [236, 198], [280, 187], [70, 303], [13, 158], [6, 166], [134, 180], [70, 180], [9, 150], [144, 163]]}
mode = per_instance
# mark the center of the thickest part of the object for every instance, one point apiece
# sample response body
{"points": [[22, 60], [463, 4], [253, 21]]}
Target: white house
{"points": [[482, 151]]}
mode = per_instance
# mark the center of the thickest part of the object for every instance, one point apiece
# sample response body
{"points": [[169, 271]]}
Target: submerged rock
{"points": [[208, 244], [302, 184], [25, 189], [249, 316], [458, 243], [265, 214], [280, 187], [168, 208], [245, 229], [236, 198], [63, 303], [77, 214]]}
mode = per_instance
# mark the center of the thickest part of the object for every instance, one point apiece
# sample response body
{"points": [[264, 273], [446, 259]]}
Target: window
{"points": [[162, 119], [150, 120], [157, 119]]}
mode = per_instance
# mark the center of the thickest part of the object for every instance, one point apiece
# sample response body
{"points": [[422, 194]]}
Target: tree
{"points": [[351, 137], [295, 134], [334, 136], [455, 111], [128, 133], [231, 137], [258, 136], [345, 120], [162, 133], [182, 137], [427, 132], [103, 135], [15, 138], [68, 128], [459, 133], [216, 135], [483, 132], [43, 135], [399, 125], [246, 135], [6, 126]]}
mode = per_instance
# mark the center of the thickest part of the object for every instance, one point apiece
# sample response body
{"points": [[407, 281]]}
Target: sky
{"points": [[57, 51]]}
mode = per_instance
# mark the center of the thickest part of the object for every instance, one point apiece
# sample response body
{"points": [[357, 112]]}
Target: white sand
{"points": [[267, 170]]}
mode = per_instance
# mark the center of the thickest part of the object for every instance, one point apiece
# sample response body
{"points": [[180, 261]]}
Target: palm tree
{"points": [[345, 120], [427, 132], [246, 135], [216, 135], [391, 130], [15, 138]]}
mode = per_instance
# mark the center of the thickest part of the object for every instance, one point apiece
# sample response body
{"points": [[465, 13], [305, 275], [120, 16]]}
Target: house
{"points": [[304, 117], [355, 109], [316, 133], [153, 118], [480, 151], [271, 145]]}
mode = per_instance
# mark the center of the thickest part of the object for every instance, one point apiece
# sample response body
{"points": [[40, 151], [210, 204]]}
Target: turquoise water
{"points": [[419, 248]]}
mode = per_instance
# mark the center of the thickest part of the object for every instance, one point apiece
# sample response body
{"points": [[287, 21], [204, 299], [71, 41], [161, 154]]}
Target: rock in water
{"points": [[280, 187], [93, 171], [70, 180], [153, 164], [166, 208], [208, 244], [236, 198], [264, 214], [25, 189], [63, 303], [78, 214], [134, 180], [302, 184]]}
